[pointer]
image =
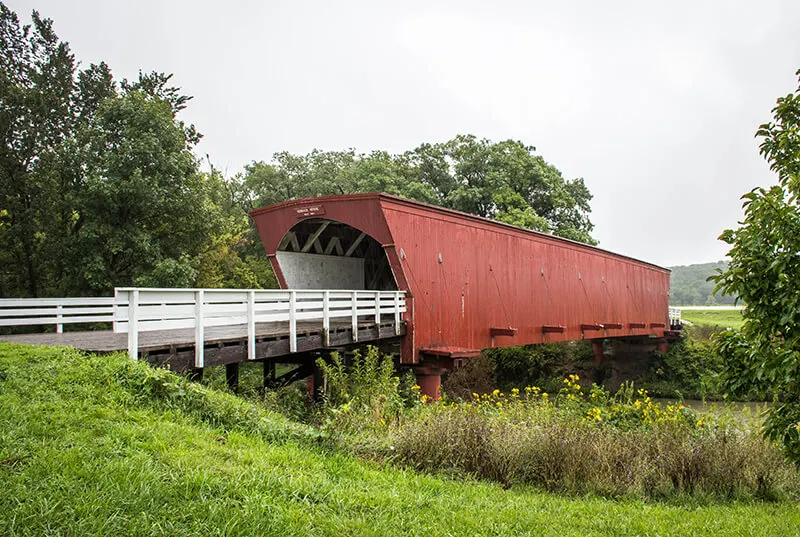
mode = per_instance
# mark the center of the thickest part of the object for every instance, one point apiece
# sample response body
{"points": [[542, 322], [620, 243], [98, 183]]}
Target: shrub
{"points": [[477, 375], [543, 365], [359, 398], [689, 369]]}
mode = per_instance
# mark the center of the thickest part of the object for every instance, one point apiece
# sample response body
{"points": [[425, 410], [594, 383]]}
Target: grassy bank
{"points": [[103, 446], [721, 318]]}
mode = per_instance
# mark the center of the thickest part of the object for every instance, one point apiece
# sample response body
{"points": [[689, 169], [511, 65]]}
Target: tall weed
{"points": [[609, 444]]}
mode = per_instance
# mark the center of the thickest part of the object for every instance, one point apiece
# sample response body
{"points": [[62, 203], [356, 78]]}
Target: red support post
{"points": [[597, 349]]}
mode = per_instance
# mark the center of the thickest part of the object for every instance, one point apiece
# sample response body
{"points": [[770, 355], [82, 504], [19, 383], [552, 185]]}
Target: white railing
{"points": [[141, 310], [135, 310], [674, 316], [55, 311]]}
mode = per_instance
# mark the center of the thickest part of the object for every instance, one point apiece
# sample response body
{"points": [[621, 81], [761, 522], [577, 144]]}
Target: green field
{"points": [[722, 318], [105, 446]]}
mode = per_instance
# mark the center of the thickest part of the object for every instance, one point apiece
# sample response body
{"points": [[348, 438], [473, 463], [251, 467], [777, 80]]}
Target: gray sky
{"points": [[654, 104]]}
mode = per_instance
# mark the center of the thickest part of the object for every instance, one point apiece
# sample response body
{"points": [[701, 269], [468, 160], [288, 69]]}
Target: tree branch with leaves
{"points": [[764, 271]]}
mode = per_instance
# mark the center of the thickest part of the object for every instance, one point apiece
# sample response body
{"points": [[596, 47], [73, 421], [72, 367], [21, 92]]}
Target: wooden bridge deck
{"points": [[222, 344]]}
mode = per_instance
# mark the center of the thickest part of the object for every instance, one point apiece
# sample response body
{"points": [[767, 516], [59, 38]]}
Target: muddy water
{"points": [[749, 411]]}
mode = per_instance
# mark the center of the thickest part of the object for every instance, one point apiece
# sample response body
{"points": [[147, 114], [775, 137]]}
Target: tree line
{"points": [[100, 186], [690, 285]]}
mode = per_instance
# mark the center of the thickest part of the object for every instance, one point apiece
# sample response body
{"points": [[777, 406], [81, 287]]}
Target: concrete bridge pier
{"points": [[429, 380]]}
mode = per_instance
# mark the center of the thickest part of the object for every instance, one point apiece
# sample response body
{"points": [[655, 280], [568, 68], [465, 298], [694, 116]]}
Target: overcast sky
{"points": [[654, 104]]}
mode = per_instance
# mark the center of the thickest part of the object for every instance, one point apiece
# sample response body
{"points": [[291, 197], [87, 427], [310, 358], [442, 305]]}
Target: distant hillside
{"points": [[690, 288]]}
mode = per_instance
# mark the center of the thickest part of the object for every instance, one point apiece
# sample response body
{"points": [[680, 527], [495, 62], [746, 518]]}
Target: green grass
{"points": [[721, 318], [103, 446]]}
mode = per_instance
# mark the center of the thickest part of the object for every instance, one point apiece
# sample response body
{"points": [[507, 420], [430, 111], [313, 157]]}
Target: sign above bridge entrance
{"points": [[310, 210]]}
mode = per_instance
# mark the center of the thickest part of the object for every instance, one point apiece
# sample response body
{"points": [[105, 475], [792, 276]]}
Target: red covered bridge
{"points": [[374, 268], [471, 283]]}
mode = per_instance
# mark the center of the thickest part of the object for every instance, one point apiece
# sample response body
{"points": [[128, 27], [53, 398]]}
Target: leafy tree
{"points": [[232, 255], [37, 112], [98, 184], [764, 270], [505, 181], [143, 199]]}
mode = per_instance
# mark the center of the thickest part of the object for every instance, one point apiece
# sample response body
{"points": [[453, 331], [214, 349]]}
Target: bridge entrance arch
{"points": [[322, 253]]}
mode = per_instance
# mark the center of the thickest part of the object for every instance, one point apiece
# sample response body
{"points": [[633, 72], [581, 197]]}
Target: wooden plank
{"points": [[251, 325], [294, 242], [179, 361], [494, 331], [34, 321], [39, 302], [334, 244], [289, 237], [293, 321], [326, 318], [354, 315], [199, 329], [355, 244], [68, 311], [133, 327]]}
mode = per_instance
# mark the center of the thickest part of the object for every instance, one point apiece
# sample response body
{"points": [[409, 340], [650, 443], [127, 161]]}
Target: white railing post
{"points": [[59, 318], [292, 321], [114, 309], [251, 325], [377, 307], [199, 329], [354, 314], [674, 316], [326, 318], [133, 329], [397, 313]]}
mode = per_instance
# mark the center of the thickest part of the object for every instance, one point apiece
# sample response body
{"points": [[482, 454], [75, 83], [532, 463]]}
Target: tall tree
{"points": [[36, 115], [764, 270], [506, 181], [98, 184], [143, 201]]}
